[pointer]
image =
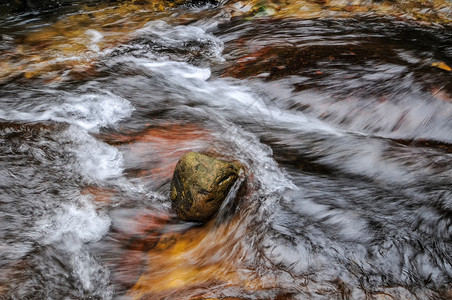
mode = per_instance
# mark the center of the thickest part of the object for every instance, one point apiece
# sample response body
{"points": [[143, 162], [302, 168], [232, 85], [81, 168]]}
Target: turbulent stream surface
{"points": [[341, 115]]}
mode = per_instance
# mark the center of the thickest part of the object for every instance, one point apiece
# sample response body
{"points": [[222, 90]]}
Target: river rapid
{"points": [[341, 114]]}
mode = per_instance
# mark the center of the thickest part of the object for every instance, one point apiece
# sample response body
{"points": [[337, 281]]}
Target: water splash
{"points": [[89, 111]]}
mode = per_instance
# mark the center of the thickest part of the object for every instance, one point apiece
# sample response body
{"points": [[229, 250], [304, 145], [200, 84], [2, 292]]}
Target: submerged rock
{"points": [[200, 184]]}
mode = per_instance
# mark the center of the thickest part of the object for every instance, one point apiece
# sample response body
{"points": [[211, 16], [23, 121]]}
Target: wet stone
{"points": [[200, 184]]}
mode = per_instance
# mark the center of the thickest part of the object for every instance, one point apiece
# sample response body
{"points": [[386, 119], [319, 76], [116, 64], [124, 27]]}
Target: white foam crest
{"points": [[94, 38], [236, 100], [89, 111], [97, 161], [257, 156], [78, 219], [178, 70], [173, 36], [72, 226], [92, 111]]}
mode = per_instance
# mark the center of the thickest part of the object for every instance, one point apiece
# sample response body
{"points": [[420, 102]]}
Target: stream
{"points": [[340, 113]]}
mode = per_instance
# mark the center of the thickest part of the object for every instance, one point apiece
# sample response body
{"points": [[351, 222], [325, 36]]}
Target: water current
{"points": [[342, 118]]}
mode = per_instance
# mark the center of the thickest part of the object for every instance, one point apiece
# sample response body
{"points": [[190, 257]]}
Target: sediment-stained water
{"points": [[340, 112]]}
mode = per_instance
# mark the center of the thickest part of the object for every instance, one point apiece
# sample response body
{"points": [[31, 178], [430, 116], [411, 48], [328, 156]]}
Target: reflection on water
{"points": [[341, 119]]}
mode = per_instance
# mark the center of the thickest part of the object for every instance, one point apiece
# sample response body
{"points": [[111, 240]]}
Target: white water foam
{"points": [[98, 162], [229, 97], [194, 83], [94, 37], [79, 219], [69, 230], [87, 110], [257, 156], [179, 36]]}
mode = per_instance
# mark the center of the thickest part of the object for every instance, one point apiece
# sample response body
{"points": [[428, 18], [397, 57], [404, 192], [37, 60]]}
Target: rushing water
{"points": [[344, 124]]}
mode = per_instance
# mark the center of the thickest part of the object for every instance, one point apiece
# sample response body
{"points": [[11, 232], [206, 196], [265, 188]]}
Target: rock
{"points": [[200, 184]]}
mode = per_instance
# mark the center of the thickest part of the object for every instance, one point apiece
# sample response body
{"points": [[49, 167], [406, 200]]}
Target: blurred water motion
{"points": [[341, 112]]}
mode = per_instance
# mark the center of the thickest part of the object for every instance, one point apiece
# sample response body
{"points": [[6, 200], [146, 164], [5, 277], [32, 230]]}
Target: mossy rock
{"points": [[200, 184]]}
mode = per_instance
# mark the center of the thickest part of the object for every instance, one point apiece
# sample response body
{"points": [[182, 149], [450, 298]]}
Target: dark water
{"points": [[344, 126]]}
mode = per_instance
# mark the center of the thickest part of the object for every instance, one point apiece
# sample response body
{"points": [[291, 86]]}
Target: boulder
{"points": [[200, 184]]}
